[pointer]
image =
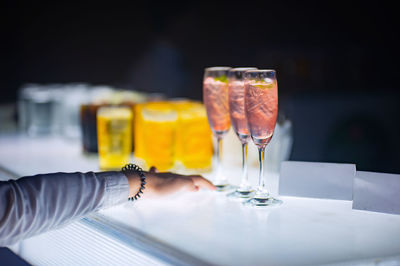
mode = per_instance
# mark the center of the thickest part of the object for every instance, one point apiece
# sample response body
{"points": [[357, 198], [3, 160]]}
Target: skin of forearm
{"points": [[134, 183]]}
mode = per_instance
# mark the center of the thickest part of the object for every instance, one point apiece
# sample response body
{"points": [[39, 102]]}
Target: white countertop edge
{"points": [[140, 241]]}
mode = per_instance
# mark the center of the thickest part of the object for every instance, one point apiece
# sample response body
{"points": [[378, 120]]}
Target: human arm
{"points": [[36, 204]]}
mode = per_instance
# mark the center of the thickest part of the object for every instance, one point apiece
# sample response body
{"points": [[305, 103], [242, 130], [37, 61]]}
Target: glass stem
{"points": [[261, 182], [220, 177], [245, 179]]}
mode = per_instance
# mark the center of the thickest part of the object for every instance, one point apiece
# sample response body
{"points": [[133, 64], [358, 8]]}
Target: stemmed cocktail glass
{"points": [[261, 109], [215, 97], [239, 124]]}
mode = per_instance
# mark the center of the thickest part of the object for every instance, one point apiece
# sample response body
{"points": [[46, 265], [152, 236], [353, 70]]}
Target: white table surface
{"points": [[207, 228]]}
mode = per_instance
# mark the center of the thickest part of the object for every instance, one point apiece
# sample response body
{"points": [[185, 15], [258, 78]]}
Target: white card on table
{"points": [[317, 180], [376, 192]]}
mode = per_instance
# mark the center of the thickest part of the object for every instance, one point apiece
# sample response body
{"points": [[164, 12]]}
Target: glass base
{"points": [[263, 202], [240, 193], [222, 187]]}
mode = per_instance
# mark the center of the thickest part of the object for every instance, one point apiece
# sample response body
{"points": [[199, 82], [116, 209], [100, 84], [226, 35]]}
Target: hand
{"points": [[162, 184]]}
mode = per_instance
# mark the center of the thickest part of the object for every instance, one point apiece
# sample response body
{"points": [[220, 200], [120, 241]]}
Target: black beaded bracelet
{"points": [[133, 168]]}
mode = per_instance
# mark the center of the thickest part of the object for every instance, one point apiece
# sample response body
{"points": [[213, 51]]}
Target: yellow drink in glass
{"points": [[139, 145], [193, 136], [114, 135], [158, 129]]}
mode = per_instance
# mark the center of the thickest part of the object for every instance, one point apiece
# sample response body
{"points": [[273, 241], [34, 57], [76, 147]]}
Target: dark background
{"points": [[337, 63]]}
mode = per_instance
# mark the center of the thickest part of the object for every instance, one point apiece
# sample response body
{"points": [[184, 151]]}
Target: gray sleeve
{"points": [[35, 204]]}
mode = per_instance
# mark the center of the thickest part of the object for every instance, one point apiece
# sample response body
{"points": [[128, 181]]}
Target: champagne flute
{"points": [[261, 109], [215, 97], [239, 124]]}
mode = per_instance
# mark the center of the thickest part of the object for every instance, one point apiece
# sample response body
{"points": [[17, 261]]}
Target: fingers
{"points": [[153, 169], [162, 184], [179, 184], [192, 187], [186, 184], [201, 182]]}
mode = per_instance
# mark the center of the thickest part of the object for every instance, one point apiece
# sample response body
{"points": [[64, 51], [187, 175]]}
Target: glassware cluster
{"points": [[247, 98], [56, 109], [172, 135]]}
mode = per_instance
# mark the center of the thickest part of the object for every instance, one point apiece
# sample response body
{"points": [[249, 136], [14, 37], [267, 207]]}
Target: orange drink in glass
{"points": [[158, 130], [193, 136]]}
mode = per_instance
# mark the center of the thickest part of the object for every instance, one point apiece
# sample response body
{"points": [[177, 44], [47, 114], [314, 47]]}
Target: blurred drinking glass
{"points": [[114, 125], [74, 95], [239, 124], [261, 108], [24, 101], [88, 113], [215, 97], [42, 111]]}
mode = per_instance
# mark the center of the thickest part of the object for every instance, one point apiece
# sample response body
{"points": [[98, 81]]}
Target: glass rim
{"points": [[114, 111], [218, 68], [167, 115], [260, 70], [235, 69], [114, 107]]}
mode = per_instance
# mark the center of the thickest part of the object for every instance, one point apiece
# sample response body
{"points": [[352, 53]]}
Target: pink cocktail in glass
{"points": [[239, 124], [261, 108], [236, 106], [215, 97]]}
